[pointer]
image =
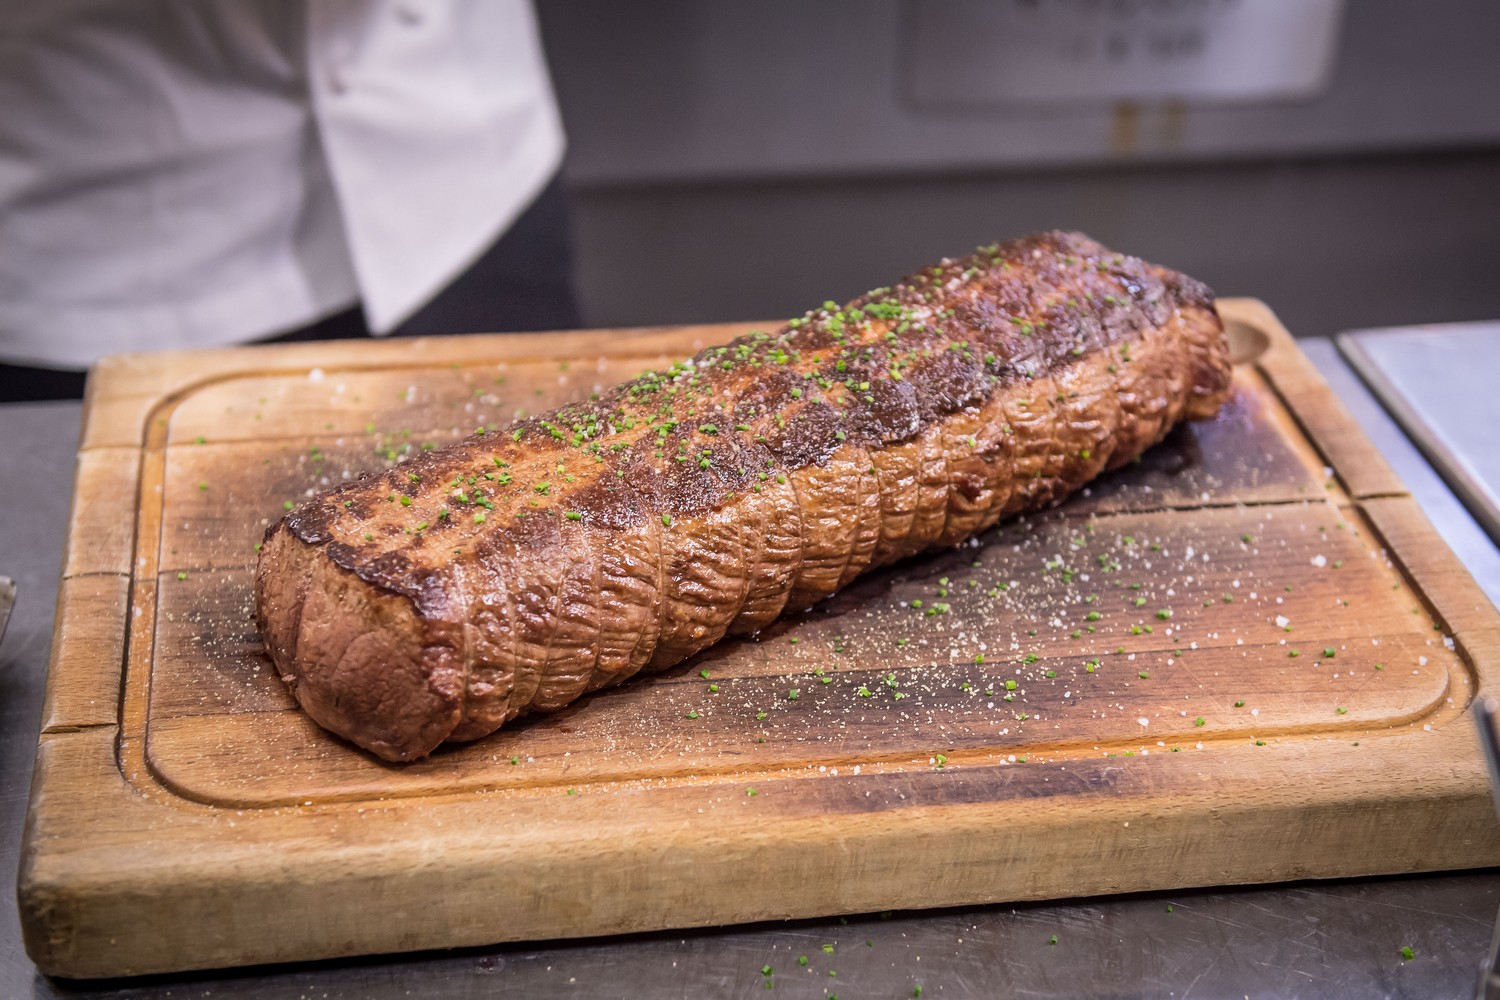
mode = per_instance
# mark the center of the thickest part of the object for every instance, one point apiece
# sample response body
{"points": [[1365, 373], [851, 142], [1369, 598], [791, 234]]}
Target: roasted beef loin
{"points": [[520, 568]]}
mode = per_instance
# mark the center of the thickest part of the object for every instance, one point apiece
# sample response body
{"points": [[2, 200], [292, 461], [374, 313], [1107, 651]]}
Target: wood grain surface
{"points": [[1245, 658]]}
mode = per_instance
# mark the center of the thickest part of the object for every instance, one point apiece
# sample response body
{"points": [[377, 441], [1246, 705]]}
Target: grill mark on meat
{"points": [[754, 523], [998, 449], [1088, 415], [972, 442], [827, 534], [754, 526], [874, 517], [883, 511], [900, 381], [779, 559], [491, 655], [534, 600], [847, 558], [896, 474], [965, 484], [496, 642], [866, 519], [465, 649], [574, 647], [705, 591], [752, 547], [799, 515], [752, 543], [627, 597], [1027, 420], [753, 516], [640, 657], [932, 496]]}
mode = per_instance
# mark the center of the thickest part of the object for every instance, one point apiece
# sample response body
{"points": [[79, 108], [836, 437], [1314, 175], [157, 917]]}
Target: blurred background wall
{"points": [[743, 161]]}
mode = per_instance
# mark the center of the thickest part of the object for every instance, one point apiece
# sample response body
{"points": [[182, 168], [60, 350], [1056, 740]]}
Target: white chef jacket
{"points": [[178, 173]]}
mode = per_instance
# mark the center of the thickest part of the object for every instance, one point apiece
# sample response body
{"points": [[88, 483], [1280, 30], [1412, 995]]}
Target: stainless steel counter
{"points": [[1315, 939]]}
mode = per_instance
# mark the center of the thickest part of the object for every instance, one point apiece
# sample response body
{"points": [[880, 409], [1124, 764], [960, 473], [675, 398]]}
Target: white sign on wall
{"points": [[1081, 51]]}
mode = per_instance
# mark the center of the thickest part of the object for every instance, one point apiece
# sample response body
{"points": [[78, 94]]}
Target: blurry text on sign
{"points": [[1083, 51]]}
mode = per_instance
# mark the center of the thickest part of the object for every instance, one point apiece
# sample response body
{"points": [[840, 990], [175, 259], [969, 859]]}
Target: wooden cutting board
{"points": [[1246, 658]]}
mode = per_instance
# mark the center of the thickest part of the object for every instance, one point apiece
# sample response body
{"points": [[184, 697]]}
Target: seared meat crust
{"points": [[518, 569]]}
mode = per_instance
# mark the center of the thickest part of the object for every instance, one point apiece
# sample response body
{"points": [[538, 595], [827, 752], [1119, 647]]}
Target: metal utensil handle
{"points": [[1484, 718], [7, 601]]}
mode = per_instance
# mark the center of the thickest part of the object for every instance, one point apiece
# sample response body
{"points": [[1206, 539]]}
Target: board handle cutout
{"points": [[1246, 342]]}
